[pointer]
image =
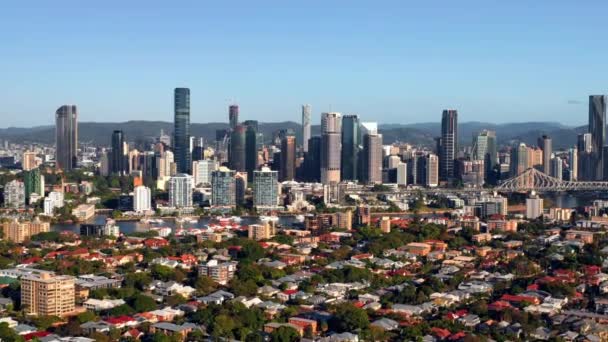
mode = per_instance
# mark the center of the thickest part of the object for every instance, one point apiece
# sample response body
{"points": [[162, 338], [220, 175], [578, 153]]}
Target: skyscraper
{"points": [[28, 160], [288, 158], [372, 158], [331, 127], [223, 187], [545, 144], [519, 159], [236, 155], [142, 199], [251, 147], [597, 128], [14, 194], [265, 189], [431, 170], [180, 191], [66, 137], [202, 169], [233, 116], [306, 112], [556, 168], [118, 163], [449, 144], [573, 163], [484, 148], [181, 131], [351, 144], [33, 183], [312, 160]]}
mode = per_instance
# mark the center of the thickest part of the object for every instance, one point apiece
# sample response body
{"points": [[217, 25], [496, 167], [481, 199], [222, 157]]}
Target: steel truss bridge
{"points": [[534, 180]]}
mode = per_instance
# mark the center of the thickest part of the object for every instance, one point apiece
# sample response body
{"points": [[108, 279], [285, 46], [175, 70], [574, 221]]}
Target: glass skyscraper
{"points": [[351, 141], [118, 163], [306, 111], [449, 144], [236, 155], [251, 147], [597, 128], [181, 132], [223, 187], [66, 137]]}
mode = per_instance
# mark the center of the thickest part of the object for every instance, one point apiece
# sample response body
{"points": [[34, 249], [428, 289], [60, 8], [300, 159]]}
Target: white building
{"points": [[14, 194], [265, 188], [402, 173], [534, 206], [202, 169], [142, 199], [180, 191], [52, 201]]}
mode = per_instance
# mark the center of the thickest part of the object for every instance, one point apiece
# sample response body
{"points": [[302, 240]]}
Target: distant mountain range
{"points": [[98, 133]]}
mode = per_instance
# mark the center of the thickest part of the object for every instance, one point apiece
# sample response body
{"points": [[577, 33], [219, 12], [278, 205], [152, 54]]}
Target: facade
{"points": [[202, 169], [573, 164], [180, 191], [372, 158], [331, 146], [449, 144], [597, 128], [265, 188], [110, 228], [118, 162], [46, 294], [220, 272], [402, 173], [236, 154], [545, 144], [142, 199], [312, 160], [519, 159], [66, 137], [28, 161], [557, 168], [306, 130], [288, 158], [534, 207], [583, 149], [240, 187], [19, 232], [223, 188], [84, 212], [52, 201], [351, 145], [14, 195], [181, 130], [485, 148], [233, 116]]}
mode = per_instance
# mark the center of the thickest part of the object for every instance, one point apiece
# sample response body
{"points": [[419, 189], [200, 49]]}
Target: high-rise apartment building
{"points": [[265, 189], [573, 164], [432, 170], [236, 155], [52, 201], [33, 182], [534, 206], [28, 161], [372, 158], [221, 272], [331, 146], [233, 116], [597, 128], [545, 144], [66, 137], [263, 231], [180, 191], [287, 171], [448, 144], [118, 163], [351, 146], [46, 294], [181, 130], [202, 169], [223, 188], [306, 128], [142, 199], [14, 194]]}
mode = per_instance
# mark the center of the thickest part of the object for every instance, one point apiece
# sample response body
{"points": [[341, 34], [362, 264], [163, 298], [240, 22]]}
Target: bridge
{"points": [[534, 180]]}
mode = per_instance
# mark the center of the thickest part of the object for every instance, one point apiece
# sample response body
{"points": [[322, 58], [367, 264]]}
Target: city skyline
{"points": [[396, 69]]}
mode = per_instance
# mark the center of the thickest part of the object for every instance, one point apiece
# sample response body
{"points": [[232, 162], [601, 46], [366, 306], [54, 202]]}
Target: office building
{"points": [[534, 207], [52, 201], [198, 150], [306, 128], [485, 148], [545, 145], [110, 228], [331, 147], [142, 199], [597, 128], [584, 147], [221, 272], [240, 187], [181, 130], [119, 161], [557, 168], [573, 164], [519, 159], [14, 195], [263, 231], [33, 182], [265, 189], [44, 293], [66, 137], [402, 173], [233, 116], [223, 188], [351, 145], [28, 161], [201, 171], [288, 158], [372, 158], [180, 191], [251, 146], [449, 144], [236, 155], [312, 160], [19, 232]]}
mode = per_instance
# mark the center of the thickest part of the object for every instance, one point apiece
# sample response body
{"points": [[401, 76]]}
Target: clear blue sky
{"points": [[388, 61]]}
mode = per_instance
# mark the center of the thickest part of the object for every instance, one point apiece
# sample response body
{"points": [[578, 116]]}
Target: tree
{"points": [[284, 334], [45, 322], [205, 285], [8, 334], [86, 316], [349, 318], [222, 326], [143, 303]]}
